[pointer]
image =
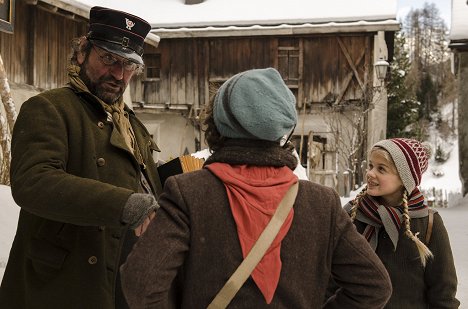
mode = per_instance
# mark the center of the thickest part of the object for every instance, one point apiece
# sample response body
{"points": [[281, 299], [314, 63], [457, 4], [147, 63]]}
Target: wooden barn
{"points": [[459, 46], [326, 54]]}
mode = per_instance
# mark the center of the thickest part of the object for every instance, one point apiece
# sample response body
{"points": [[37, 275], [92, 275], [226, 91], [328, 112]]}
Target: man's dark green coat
{"points": [[71, 174]]}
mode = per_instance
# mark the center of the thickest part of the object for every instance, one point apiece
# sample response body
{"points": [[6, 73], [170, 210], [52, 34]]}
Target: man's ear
{"points": [[81, 56]]}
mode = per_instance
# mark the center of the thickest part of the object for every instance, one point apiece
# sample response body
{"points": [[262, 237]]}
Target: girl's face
{"points": [[383, 180]]}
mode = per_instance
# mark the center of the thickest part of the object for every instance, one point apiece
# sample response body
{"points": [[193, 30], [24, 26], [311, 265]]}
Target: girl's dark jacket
{"points": [[71, 174], [415, 286], [194, 239]]}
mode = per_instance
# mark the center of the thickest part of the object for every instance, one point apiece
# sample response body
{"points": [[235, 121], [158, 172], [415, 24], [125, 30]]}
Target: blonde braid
{"points": [[423, 250], [355, 203]]}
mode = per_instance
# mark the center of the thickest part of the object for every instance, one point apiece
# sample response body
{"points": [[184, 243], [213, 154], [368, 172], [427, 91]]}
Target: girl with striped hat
{"points": [[391, 213]]}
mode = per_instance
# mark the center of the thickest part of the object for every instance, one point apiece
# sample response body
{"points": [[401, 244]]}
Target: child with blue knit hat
{"points": [[209, 220], [255, 104], [408, 236]]}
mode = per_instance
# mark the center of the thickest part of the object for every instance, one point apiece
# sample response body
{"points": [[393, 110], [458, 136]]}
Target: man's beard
{"points": [[98, 90]]}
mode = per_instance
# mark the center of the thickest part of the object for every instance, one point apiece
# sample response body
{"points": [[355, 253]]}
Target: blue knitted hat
{"points": [[255, 104]]}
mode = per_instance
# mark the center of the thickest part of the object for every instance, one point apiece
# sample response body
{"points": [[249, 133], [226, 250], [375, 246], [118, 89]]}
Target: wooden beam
{"points": [[300, 90], [183, 31], [349, 77], [350, 62]]}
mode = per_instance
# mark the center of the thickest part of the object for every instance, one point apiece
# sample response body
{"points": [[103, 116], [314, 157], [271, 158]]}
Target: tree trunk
{"points": [[462, 125], [6, 126]]}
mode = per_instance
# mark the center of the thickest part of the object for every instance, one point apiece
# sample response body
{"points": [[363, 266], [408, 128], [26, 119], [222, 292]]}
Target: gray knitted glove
{"points": [[137, 208]]}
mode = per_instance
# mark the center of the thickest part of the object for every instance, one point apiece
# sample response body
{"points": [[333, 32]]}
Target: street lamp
{"points": [[381, 67]]}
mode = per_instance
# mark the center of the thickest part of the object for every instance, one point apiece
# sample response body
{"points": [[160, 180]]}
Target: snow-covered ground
{"points": [[455, 221]]}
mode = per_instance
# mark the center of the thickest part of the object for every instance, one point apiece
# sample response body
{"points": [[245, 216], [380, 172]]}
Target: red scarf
{"points": [[254, 193]]}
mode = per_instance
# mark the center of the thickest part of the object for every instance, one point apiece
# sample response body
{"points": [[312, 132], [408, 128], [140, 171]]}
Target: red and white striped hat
{"points": [[411, 159]]}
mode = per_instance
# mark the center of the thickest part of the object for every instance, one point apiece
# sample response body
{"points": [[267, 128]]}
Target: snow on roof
{"points": [[459, 28], [174, 16], [175, 13]]}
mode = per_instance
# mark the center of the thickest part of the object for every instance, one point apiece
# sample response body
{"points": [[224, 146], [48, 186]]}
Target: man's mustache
{"points": [[112, 80]]}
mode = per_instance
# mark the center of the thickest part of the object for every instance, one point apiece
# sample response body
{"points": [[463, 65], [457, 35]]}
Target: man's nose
{"points": [[117, 70]]}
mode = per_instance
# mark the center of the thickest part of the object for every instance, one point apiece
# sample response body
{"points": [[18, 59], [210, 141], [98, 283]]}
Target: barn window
{"points": [[152, 66], [289, 61]]}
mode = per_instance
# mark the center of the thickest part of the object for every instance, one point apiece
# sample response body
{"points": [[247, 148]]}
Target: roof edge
{"points": [[283, 29]]}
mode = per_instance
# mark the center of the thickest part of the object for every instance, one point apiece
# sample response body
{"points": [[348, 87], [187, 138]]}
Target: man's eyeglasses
{"points": [[110, 60]]}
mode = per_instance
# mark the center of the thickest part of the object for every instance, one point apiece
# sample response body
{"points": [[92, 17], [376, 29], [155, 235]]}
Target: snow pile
{"points": [[8, 221], [174, 13]]}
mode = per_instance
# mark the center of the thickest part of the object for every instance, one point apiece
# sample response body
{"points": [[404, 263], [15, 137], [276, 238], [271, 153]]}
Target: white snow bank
{"points": [[8, 222]]}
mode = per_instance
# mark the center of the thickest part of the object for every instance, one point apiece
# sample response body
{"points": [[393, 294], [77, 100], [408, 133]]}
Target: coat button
{"points": [[92, 260], [101, 162], [100, 124]]}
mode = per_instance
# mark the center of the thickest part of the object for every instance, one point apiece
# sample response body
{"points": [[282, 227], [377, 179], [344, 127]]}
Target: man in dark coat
{"points": [[83, 174]]}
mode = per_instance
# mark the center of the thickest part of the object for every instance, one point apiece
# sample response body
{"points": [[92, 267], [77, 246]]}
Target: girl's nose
{"points": [[370, 172]]}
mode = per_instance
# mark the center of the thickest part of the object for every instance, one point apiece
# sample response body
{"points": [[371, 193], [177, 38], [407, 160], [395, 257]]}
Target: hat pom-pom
{"points": [[428, 148]]}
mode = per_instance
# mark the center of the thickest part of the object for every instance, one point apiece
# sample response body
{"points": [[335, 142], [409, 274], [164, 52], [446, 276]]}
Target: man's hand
{"points": [[139, 211], [142, 227]]}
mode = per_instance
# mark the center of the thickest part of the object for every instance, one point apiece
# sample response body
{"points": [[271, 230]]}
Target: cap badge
{"points": [[129, 23]]}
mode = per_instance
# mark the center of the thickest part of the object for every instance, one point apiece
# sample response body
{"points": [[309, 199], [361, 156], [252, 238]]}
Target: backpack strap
{"points": [[242, 273], [430, 223]]}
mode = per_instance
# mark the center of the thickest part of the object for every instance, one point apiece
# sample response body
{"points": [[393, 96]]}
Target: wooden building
{"points": [[459, 46], [327, 61]]}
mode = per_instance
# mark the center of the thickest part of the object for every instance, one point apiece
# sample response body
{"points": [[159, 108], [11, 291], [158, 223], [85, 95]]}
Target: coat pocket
{"points": [[46, 258]]}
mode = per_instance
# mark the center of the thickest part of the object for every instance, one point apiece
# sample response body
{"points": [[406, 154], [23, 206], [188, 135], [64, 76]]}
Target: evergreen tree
{"points": [[427, 95], [403, 108]]}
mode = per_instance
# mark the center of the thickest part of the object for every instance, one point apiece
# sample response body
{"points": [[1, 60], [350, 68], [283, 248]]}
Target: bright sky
{"points": [[444, 6]]}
